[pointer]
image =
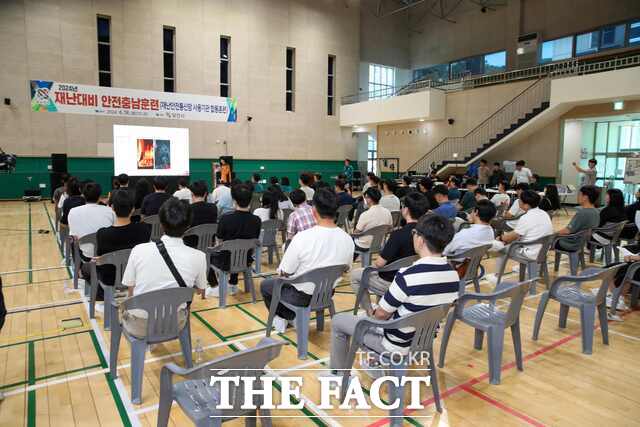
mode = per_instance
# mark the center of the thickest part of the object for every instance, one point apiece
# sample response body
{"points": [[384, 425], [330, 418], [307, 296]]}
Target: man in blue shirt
{"points": [[445, 208], [344, 198], [257, 186]]}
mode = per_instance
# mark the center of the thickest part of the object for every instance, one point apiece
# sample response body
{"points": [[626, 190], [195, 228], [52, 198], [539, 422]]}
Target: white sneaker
{"points": [[491, 278], [620, 306], [100, 307], [212, 292], [614, 317], [233, 289], [516, 268], [280, 324]]}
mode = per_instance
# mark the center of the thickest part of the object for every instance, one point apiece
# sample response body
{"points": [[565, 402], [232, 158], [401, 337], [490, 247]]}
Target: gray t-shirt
{"points": [[589, 177], [583, 219]]}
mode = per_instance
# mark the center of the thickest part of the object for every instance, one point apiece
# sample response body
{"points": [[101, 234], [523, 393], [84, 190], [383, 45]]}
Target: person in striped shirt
{"points": [[302, 216], [429, 282]]}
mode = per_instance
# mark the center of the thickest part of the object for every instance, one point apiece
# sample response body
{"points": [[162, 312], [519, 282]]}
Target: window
{"points": [[495, 62], [331, 84], [372, 154], [225, 62], [104, 51], [438, 72], [634, 33], [381, 81], [290, 76], [612, 36], [466, 67], [169, 58], [556, 50], [587, 43]]}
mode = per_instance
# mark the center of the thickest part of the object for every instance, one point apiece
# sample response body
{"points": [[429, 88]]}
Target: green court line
{"points": [[30, 247], [31, 396], [45, 338], [235, 349], [122, 411], [19, 383]]}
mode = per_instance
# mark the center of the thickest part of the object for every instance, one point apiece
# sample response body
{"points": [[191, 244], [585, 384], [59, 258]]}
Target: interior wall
{"points": [[383, 40], [56, 40], [437, 41], [468, 108]]}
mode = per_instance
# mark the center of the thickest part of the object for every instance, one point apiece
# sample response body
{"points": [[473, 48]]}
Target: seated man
{"points": [[240, 224], [221, 197], [515, 211], [534, 224], [480, 194], [389, 200], [123, 234], [374, 216], [479, 234], [323, 245], [305, 182], [454, 192], [183, 192], [257, 186], [90, 217], [430, 281], [585, 218], [501, 197], [399, 245], [344, 198], [302, 217], [445, 207], [152, 202], [203, 212], [147, 271], [468, 201], [405, 187]]}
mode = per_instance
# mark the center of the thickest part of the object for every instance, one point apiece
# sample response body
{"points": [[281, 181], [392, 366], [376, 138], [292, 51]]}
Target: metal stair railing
{"points": [[457, 149]]}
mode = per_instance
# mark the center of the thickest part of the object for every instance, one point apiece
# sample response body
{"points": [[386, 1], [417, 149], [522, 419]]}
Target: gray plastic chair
{"points": [[269, 240], [378, 233], [162, 325], [475, 271], [425, 324], [576, 257], [531, 268], [363, 297], [324, 279], [567, 290], [286, 213], [343, 217], [627, 281], [488, 318], [156, 228], [74, 245], [612, 233], [118, 259], [239, 250], [199, 400], [205, 233]]}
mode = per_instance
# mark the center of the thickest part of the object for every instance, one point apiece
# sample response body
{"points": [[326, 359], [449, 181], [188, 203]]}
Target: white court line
{"points": [[45, 305], [26, 270], [577, 321]]}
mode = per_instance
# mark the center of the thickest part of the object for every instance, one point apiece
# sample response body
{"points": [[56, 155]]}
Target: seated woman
{"points": [[269, 209], [612, 213], [551, 200]]}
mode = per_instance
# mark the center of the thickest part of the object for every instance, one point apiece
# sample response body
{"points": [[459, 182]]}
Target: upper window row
{"points": [[489, 63], [607, 37]]}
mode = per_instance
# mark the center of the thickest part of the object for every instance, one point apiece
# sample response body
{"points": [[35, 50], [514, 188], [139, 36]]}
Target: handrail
{"points": [[563, 68], [517, 108]]}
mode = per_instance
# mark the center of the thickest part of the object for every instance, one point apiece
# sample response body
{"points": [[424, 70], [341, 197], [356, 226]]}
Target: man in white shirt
{"points": [[375, 216], [320, 246], [516, 211], [147, 271], [305, 182], [501, 197], [521, 175], [534, 224], [183, 192], [479, 234], [389, 200], [90, 217], [221, 197]]}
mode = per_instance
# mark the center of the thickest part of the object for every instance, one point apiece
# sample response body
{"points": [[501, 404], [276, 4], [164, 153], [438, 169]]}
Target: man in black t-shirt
{"points": [[399, 245], [203, 212], [240, 224], [152, 202], [123, 234]]}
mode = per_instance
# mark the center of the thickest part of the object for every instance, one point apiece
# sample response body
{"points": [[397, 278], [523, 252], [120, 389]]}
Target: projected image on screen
{"points": [[150, 151]]}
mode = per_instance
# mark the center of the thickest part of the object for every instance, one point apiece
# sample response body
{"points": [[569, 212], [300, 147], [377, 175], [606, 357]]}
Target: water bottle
{"points": [[199, 351]]}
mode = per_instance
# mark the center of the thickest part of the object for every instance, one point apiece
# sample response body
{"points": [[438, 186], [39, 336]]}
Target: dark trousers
{"points": [[622, 272], [288, 294]]}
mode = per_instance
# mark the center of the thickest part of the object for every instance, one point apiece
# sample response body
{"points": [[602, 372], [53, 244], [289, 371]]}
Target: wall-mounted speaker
{"points": [[59, 163]]}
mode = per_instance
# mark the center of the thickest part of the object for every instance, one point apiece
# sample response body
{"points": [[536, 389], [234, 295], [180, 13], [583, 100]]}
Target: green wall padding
{"points": [[32, 171]]}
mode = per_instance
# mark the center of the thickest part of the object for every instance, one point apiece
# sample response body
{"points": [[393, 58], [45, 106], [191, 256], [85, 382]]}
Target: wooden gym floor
{"points": [[54, 372]]}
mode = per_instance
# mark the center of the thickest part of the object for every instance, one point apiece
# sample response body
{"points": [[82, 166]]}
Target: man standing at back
{"points": [[152, 202], [522, 174], [323, 245], [348, 171], [240, 224]]}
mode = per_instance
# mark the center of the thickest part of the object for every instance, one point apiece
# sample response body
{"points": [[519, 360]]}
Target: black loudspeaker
{"points": [[59, 163]]}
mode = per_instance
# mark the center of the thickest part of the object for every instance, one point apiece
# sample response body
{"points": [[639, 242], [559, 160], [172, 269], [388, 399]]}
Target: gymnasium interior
{"points": [[423, 104]]}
